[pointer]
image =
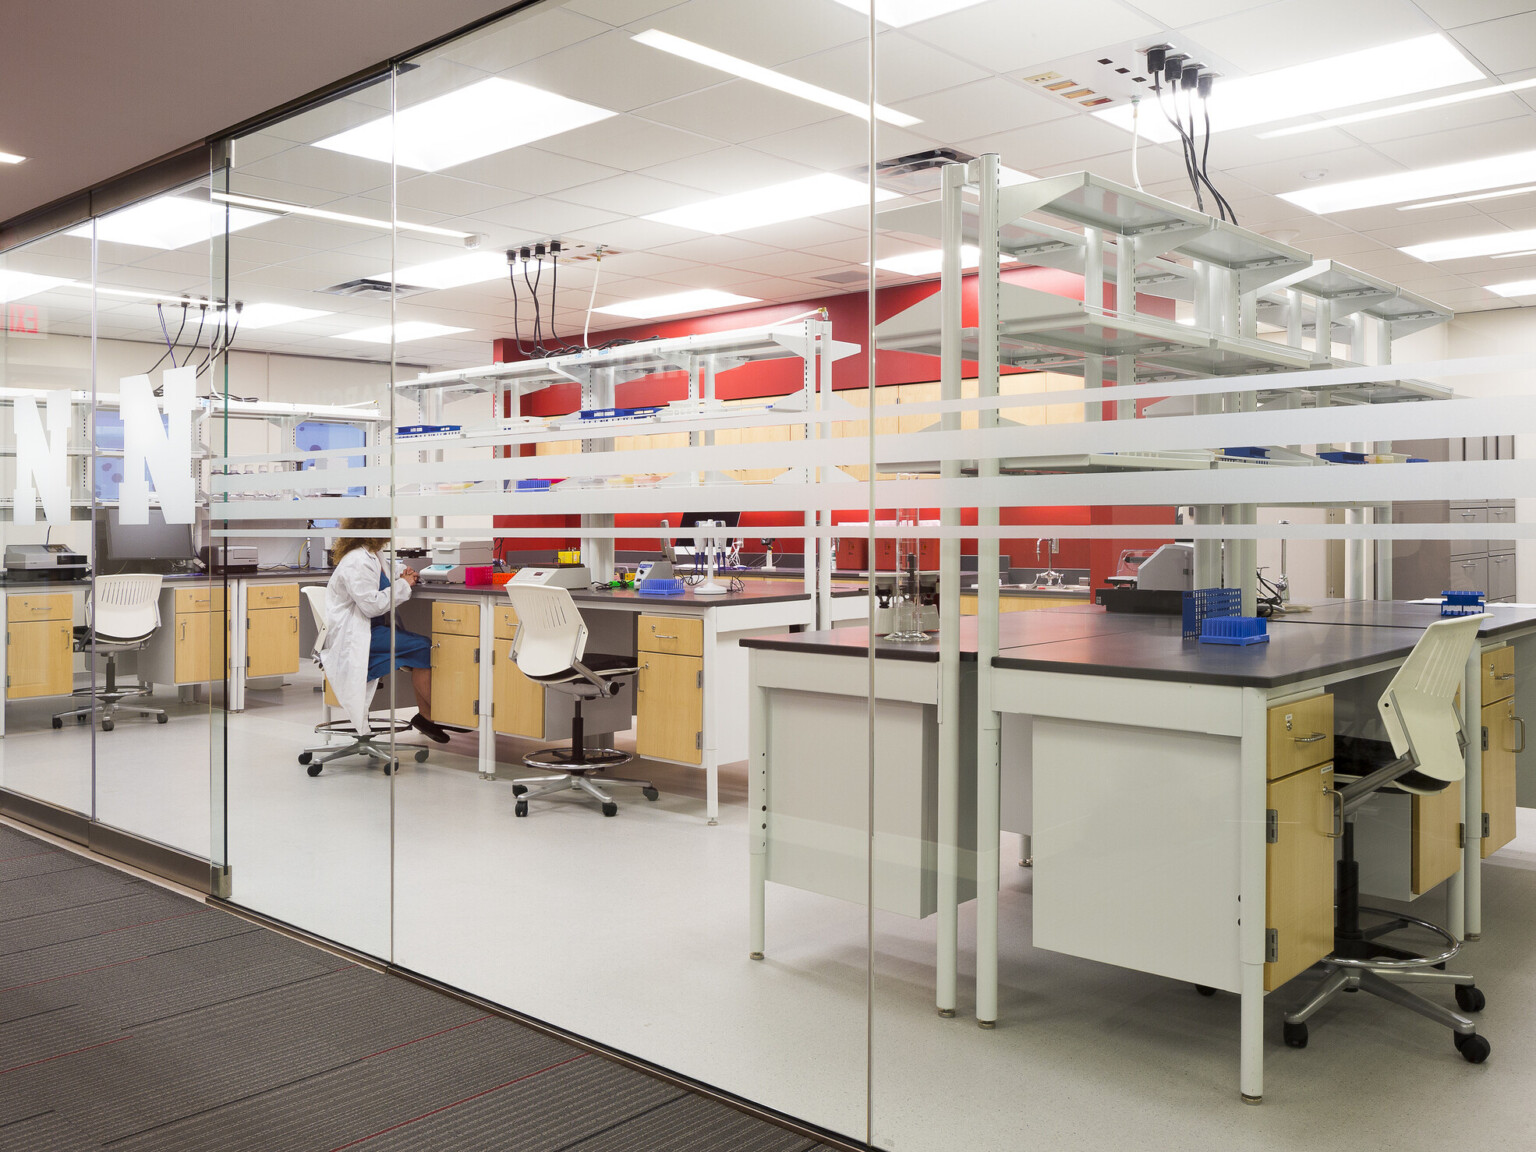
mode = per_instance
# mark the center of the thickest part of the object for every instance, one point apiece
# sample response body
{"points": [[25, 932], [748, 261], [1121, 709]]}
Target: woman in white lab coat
{"points": [[359, 604]]}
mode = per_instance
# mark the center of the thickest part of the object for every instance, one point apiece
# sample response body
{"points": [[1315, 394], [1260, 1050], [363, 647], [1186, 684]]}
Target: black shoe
{"points": [[428, 729]]}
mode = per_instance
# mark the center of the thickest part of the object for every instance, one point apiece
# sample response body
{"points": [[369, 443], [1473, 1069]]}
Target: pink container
{"points": [[478, 576]]}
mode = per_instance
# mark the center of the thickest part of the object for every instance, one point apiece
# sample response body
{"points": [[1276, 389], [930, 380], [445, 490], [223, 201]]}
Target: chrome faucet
{"points": [[1047, 575]]}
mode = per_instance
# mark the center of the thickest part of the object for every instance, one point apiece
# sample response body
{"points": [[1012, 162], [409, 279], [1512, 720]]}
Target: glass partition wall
{"points": [[767, 346]]}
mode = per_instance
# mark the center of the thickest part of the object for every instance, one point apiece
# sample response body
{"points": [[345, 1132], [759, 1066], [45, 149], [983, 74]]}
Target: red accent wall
{"points": [[849, 316]]}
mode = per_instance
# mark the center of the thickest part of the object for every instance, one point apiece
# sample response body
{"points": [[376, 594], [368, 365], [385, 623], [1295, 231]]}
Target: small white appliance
{"points": [[570, 576], [450, 558]]}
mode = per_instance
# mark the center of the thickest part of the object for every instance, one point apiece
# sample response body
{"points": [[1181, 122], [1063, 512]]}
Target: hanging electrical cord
{"points": [[166, 332], [533, 290], [1173, 122], [1135, 145], [517, 327], [554, 293], [1205, 104], [597, 270], [1192, 160]]}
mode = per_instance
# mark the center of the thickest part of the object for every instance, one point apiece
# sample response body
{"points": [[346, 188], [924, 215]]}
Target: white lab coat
{"points": [[353, 599]]}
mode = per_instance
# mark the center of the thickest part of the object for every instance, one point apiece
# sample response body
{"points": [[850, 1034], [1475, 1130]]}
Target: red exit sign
{"points": [[25, 320]]}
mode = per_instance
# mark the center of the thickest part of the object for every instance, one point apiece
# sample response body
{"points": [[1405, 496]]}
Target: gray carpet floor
{"points": [[135, 1019]]}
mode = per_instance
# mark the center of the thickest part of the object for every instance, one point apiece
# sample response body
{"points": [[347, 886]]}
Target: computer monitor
{"points": [[152, 547]]}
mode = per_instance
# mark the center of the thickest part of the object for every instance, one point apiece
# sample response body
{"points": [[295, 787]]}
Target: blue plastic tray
{"points": [[1235, 630], [661, 588]]}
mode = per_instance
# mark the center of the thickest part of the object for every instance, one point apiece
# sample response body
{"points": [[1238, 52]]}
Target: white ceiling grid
{"points": [[685, 133]]}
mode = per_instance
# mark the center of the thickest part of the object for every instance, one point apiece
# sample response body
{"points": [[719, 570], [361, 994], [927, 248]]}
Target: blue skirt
{"points": [[411, 651]]}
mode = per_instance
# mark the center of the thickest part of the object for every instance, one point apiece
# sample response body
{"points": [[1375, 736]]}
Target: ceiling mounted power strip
{"points": [[1105, 77]]}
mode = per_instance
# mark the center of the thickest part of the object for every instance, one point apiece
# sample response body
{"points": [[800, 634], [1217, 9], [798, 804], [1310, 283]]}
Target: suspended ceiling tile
{"points": [[1385, 262], [1300, 31], [528, 35], [1501, 45], [766, 34], [726, 170], [841, 143], [1074, 137], [1454, 117], [620, 12], [313, 167], [632, 194], [715, 249], [334, 116], [440, 196], [904, 68], [535, 171], [1473, 143], [738, 111], [779, 288], [799, 234], [243, 183], [613, 71], [1342, 248], [1178, 13], [707, 276], [629, 142], [1005, 35], [800, 264], [1243, 147], [630, 234], [980, 108], [540, 218], [1343, 164], [632, 264], [314, 235]]}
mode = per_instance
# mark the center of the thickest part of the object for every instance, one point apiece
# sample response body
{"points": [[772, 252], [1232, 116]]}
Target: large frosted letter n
{"points": [[165, 447], [42, 460]]}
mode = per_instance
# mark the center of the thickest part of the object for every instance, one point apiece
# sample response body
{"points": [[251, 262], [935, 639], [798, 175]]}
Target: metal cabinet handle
{"points": [[1504, 676], [1467, 513], [1312, 739], [1520, 721], [663, 636], [294, 620], [1337, 798]]}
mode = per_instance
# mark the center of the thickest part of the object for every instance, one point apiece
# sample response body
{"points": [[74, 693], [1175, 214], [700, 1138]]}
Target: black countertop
{"points": [[1290, 656], [1402, 614], [757, 592]]}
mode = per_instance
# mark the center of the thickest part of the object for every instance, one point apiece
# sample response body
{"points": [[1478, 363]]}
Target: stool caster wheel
{"points": [[162, 719], [518, 789], [1295, 1035], [421, 756], [610, 809], [314, 769], [1470, 998], [82, 719], [389, 768], [650, 793], [1205, 990], [107, 725], [306, 757], [520, 808], [58, 723], [1474, 1049]]}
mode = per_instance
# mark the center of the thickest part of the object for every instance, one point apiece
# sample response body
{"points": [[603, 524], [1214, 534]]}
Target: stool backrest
{"points": [[125, 606], [314, 596], [551, 636], [1419, 706]]}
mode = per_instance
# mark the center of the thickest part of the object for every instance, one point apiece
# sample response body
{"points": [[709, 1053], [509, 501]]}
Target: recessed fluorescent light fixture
{"points": [[455, 271], [676, 304], [1466, 247], [10, 158], [170, 222], [792, 200], [268, 315], [1446, 180], [1499, 195], [14, 285], [1514, 255], [1514, 288], [930, 262], [900, 13], [1363, 77], [404, 331], [1399, 109], [474, 121], [340, 217], [768, 78]]}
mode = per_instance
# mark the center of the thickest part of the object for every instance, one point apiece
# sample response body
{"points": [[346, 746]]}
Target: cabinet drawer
{"points": [[49, 606], [1498, 674], [1470, 575], [680, 635], [455, 619], [272, 596], [1501, 576], [1300, 735], [207, 599], [506, 622], [1462, 514]]}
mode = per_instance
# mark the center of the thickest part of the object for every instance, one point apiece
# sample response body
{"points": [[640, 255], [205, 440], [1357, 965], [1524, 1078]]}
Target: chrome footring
{"points": [[1453, 946], [558, 759]]}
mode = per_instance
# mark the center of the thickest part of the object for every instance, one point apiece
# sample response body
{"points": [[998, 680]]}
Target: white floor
{"points": [[633, 931]]}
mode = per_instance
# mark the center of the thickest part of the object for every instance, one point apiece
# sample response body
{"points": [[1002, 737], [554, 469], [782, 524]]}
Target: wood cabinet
{"points": [[1299, 882], [456, 663], [1499, 744], [1300, 735], [669, 707], [202, 649], [39, 646], [1436, 838], [518, 702], [271, 630]]}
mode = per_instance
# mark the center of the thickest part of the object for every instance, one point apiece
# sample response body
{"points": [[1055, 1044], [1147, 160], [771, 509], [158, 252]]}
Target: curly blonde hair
{"points": [[345, 544]]}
